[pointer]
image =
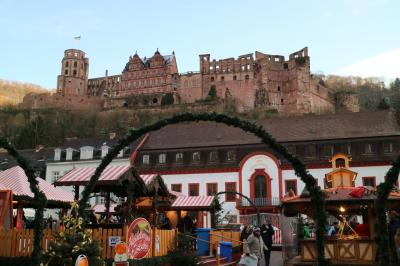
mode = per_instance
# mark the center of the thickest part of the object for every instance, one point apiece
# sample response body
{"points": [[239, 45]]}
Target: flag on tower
{"points": [[77, 38]]}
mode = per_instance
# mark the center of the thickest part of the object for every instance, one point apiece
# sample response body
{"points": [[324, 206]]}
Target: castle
{"points": [[249, 81]]}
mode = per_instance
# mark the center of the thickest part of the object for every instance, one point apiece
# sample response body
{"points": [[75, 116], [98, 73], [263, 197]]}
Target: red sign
{"points": [[139, 239]]}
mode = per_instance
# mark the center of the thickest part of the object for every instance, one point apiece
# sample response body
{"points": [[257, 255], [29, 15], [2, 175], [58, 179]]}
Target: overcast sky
{"points": [[358, 37]]}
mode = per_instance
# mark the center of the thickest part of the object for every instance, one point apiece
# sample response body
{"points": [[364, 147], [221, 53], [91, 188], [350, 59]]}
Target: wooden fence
{"points": [[17, 244], [224, 236]]}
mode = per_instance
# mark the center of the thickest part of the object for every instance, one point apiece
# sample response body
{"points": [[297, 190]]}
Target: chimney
{"points": [[113, 135]]}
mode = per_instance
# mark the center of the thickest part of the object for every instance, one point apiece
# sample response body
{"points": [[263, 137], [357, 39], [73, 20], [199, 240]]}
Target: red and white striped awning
{"points": [[101, 208], [147, 178], [193, 202], [16, 180], [81, 176]]}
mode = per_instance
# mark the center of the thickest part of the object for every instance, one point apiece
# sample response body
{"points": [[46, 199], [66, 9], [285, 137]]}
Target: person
{"points": [[256, 246], [333, 229], [307, 231], [267, 231], [244, 234]]}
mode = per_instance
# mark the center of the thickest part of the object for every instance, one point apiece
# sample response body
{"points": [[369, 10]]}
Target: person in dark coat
{"points": [[267, 231]]}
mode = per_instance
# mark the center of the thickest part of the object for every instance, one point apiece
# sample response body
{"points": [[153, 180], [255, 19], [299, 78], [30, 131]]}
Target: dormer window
{"points": [[162, 158], [367, 148], [146, 159], [69, 154], [57, 154], [387, 147], [104, 150], [86, 153], [230, 156], [213, 156], [196, 156], [179, 157]]}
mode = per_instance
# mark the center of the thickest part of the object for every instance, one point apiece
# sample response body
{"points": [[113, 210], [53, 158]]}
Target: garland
{"points": [[383, 190], [39, 199], [316, 194]]}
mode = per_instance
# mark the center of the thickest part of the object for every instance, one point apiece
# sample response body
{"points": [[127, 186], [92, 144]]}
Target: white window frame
{"points": [[146, 159], [162, 158]]}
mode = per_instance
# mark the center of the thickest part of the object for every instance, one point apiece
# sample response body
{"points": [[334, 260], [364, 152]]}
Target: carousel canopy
{"points": [[193, 202], [16, 180]]}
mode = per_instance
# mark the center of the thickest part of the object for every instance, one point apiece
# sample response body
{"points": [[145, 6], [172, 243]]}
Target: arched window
{"points": [[260, 187]]}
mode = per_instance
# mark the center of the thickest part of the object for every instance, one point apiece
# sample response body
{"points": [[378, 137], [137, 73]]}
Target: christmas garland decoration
{"points": [[316, 194], [383, 190], [39, 200]]}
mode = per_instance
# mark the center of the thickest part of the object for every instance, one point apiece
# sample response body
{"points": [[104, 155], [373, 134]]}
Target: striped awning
{"points": [[193, 202], [101, 208], [16, 180], [147, 178], [81, 176]]}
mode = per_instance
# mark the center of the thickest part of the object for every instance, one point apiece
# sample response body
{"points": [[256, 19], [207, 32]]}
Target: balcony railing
{"points": [[259, 202]]}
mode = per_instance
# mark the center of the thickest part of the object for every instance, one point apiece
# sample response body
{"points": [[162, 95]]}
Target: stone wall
{"points": [[347, 101]]}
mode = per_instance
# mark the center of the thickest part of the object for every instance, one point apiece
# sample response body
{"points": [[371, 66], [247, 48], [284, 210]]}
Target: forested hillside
{"points": [[12, 92]]}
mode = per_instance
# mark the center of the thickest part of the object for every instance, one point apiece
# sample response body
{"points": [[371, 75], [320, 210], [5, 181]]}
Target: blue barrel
{"points": [[203, 247], [226, 250]]}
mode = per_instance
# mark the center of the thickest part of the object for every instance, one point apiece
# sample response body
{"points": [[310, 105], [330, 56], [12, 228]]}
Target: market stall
{"points": [[351, 237]]}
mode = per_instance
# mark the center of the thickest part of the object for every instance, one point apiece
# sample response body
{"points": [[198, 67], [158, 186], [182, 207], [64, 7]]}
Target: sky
{"points": [[347, 37]]}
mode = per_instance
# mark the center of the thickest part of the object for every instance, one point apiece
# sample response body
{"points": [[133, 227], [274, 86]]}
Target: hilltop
{"points": [[13, 92]]}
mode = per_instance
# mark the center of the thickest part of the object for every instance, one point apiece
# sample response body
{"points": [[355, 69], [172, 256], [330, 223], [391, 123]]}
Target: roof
{"points": [[16, 180], [82, 175], [284, 129], [37, 158], [101, 208], [193, 202], [341, 194]]}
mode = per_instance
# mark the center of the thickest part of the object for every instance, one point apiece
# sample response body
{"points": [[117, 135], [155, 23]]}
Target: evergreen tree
{"points": [[212, 93]]}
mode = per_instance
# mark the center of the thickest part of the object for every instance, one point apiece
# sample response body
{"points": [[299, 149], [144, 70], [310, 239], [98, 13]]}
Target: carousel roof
{"points": [[16, 180]]}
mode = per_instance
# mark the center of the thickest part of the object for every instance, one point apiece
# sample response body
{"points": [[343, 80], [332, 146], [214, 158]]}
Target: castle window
{"points": [[246, 77], [179, 157], [212, 79], [66, 64], [75, 64], [387, 147], [213, 156], [146, 159], [234, 77], [222, 78], [162, 158], [285, 65], [66, 72], [281, 100], [248, 67], [196, 156], [279, 88], [155, 100], [74, 73]]}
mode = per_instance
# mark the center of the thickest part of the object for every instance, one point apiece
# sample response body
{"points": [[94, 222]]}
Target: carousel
{"points": [[351, 235]]}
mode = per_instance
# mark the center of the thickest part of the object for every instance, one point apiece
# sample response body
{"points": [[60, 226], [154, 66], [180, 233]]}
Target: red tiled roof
{"points": [[16, 180], [193, 201]]}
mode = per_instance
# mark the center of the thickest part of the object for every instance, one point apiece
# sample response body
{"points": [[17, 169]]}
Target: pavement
{"points": [[276, 258]]}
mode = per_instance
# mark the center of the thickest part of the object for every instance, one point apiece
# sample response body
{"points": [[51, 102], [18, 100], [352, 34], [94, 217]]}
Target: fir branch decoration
{"points": [[39, 200], [383, 190], [317, 197]]}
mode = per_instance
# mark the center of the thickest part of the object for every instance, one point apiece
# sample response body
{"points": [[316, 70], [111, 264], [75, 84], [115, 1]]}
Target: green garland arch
{"points": [[316, 194], [40, 199], [383, 191]]}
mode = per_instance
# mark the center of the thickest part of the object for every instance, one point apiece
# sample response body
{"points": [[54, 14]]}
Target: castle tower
{"points": [[74, 73]]}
